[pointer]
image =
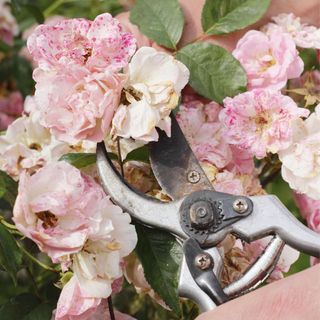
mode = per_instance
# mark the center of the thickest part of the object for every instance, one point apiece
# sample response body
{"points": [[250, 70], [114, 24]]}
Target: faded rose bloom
{"points": [[304, 35], [269, 61], [306, 87], [98, 45], [301, 160], [8, 24], [111, 238], [27, 145], [51, 21], [203, 130], [73, 305], [151, 93], [75, 104], [54, 207], [259, 121], [11, 107]]}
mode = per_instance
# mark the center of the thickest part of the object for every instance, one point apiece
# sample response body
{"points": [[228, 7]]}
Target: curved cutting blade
{"points": [[175, 166]]}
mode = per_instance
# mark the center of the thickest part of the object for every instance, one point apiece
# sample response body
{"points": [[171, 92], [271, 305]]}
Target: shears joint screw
{"points": [[240, 205], [204, 261], [193, 176]]}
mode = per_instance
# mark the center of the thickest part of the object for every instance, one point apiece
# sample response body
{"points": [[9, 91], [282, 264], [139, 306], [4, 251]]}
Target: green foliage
{"points": [[225, 16], [10, 254], [79, 160], [25, 307], [161, 21], [140, 154], [161, 256], [8, 189], [214, 72], [310, 59]]}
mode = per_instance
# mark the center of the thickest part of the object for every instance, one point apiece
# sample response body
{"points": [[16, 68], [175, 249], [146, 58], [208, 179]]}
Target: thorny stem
{"points": [[111, 311], [36, 261]]}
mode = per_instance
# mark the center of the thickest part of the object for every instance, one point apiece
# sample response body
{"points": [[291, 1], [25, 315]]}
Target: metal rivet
{"points": [[240, 205], [203, 261], [193, 176]]}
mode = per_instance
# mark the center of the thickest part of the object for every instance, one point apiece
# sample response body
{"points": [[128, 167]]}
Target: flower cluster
{"points": [[68, 216], [92, 84]]}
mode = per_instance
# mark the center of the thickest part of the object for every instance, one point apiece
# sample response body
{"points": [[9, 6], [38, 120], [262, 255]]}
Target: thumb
{"points": [[293, 298]]}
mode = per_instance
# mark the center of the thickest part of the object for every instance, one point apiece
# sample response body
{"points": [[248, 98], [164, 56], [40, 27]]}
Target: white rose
{"points": [[99, 263], [301, 161], [152, 92]]}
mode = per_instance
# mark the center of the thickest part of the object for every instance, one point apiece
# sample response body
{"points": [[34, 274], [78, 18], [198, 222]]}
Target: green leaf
{"points": [[10, 254], [18, 307], [161, 21], [81, 160], [140, 154], [41, 312], [4, 47], [8, 189], [36, 12], [214, 72], [22, 72], [310, 59], [225, 16], [25, 307], [161, 256]]}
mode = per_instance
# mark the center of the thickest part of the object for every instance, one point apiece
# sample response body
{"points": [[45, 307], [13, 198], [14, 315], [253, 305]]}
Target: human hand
{"points": [[293, 298]]}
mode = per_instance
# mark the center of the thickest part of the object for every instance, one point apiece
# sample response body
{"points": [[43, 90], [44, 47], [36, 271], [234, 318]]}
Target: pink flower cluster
{"points": [[79, 79], [230, 168], [68, 216]]}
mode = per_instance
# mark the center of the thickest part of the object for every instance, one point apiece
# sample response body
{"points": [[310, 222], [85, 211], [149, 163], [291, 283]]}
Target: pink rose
{"points": [[269, 61], [11, 107], [202, 128], [73, 305], [54, 206], [76, 104], [98, 44], [259, 121], [309, 209]]}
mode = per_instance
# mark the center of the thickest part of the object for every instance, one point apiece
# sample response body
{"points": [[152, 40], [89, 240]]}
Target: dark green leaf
{"points": [[10, 254], [140, 154], [4, 47], [214, 72], [18, 307], [8, 188], [36, 12], [225, 16], [310, 59], [161, 21], [161, 256], [81, 160], [41, 312], [22, 72]]}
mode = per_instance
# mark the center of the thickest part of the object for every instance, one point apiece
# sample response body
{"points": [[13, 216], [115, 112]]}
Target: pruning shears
{"points": [[200, 218]]}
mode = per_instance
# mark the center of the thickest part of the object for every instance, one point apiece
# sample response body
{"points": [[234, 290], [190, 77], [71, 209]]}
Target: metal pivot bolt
{"points": [[240, 205], [203, 261], [193, 176], [201, 214]]}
